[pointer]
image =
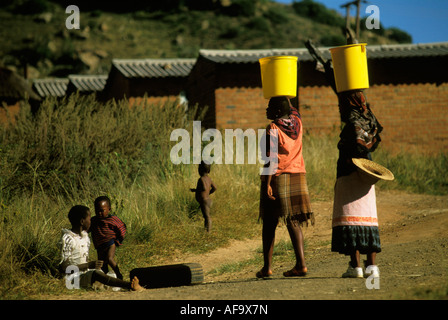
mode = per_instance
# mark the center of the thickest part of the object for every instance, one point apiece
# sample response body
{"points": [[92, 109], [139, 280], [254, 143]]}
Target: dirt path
{"points": [[414, 258]]}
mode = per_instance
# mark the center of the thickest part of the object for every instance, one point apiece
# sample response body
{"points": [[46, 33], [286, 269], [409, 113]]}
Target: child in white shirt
{"points": [[75, 244]]}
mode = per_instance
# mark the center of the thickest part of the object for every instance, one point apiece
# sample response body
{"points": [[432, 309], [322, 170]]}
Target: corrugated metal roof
{"points": [[50, 87], [408, 50], [88, 82], [252, 56], [373, 52], [154, 68]]}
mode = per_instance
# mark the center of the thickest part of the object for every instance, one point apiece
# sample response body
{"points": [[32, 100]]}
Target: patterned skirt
{"points": [[355, 221], [292, 201]]}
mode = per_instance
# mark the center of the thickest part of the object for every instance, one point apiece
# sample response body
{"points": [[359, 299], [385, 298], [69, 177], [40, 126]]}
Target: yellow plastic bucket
{"points": [[279, 76], [350, 67]]}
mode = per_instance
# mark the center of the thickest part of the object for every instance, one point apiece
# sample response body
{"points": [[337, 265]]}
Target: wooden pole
{"points": [[347, 17], [358, 8]]}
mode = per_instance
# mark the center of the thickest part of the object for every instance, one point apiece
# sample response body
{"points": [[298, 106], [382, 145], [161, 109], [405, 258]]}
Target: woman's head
{"points": [[350, 100], [278, 107]]}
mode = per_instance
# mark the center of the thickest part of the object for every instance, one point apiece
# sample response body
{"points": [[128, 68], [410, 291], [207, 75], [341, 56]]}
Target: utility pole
{"points": [[357, 3]]}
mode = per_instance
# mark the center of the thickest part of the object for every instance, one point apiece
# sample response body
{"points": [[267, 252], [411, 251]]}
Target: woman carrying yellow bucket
{"points": [[284, 191], [355, 228]]}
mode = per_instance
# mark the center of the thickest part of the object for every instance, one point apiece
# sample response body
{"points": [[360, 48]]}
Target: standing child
{"points": [[75, 244], [204, 188], [108, 232]]}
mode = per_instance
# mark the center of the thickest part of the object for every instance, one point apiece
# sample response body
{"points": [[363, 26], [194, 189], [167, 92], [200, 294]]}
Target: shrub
{"points": [[318, 12], [245, 8], [277, 15], [32, 7], [399, 35]]}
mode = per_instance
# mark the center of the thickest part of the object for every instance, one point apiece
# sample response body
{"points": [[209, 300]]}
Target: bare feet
{"points": [[135, 285], [264, 274], [294, 272]]}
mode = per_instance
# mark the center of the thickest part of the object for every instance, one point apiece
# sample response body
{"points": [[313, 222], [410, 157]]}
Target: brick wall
{"points": [[414, 116], [8, 112], [240, 108]]}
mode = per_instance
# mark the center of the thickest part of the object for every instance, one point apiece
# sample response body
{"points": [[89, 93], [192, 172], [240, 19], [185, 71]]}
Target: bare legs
{"points": [[355, 259], [268, 238], [103, 278], [268, 235], [205, 209], [108, 256], [296, 235]]}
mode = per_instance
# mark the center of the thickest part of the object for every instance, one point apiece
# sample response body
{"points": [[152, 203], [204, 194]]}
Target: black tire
{"points": [[169, 276]]}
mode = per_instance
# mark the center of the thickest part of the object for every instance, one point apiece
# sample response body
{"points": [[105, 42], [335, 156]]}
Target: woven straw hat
{"points": [[371, 171]]}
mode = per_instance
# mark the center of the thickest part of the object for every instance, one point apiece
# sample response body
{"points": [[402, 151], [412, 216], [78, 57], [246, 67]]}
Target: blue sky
{"points": [[426, 21]]}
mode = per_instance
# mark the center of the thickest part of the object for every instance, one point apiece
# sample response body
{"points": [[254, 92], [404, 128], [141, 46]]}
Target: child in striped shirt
{"points": [[74, 245], [108, 232]]}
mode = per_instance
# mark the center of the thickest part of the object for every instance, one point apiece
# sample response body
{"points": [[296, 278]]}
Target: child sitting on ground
{"points": [[75, 244], [108, 232], [204, 188]]}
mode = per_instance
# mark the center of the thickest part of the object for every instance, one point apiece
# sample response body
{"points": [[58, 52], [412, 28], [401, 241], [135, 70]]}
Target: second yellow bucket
{"points": [[350, 67], [279, 76]]}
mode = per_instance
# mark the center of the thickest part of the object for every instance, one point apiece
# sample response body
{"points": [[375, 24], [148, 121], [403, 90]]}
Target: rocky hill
{"points": [[34, 34]]}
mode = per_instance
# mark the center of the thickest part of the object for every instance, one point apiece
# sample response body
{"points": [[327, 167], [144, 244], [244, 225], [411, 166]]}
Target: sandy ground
{"points": [[414, 259]]}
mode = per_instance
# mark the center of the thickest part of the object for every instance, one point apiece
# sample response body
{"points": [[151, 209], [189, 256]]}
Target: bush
{"points": [[277, 15], [32, 7], [79, 135], [318, 12], [238, 8], [259, 24], [399, 35], [333, 40]]}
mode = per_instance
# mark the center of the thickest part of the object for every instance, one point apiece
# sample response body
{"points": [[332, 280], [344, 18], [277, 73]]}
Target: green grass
{"points": [[76, 149]]}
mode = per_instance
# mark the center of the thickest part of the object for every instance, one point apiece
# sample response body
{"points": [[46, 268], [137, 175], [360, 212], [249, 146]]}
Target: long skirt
{"points": [[355, 219], [292, 200]]}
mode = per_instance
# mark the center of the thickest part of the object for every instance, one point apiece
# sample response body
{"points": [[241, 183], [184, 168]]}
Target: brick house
{"points": [[408, 92], [159, 79]]}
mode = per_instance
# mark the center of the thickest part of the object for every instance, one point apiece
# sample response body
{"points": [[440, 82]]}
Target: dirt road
{"points": [[413, 261]]}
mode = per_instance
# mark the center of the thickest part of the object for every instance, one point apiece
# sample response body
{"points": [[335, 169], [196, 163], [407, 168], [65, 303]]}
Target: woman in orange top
{"points": [[284, 191]]}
